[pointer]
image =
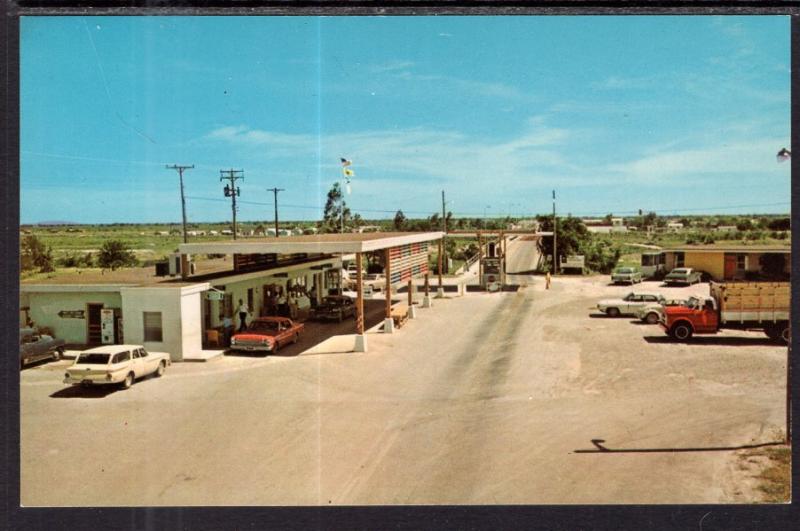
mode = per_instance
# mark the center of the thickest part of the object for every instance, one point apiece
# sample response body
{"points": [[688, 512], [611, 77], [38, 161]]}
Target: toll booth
{"points": [[492, 277]]}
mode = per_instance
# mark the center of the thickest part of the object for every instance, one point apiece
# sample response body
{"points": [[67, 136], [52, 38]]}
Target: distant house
{"points": [[725, 228], [369, 228], [675, 226], [731, 262], [213, 233], [226, 232], [601, 226]]}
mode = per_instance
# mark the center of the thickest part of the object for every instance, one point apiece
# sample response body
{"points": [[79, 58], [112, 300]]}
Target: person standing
{"points": [[283, 307], [243, 311], [547, 280], [227, 330]]}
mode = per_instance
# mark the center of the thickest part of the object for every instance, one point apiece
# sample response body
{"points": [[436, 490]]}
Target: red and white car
{"points": [[267, 334], [115, 364]]}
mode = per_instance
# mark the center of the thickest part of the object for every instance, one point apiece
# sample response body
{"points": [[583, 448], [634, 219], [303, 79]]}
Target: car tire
{"points": [[651, 318], [57, 353], [681, 332], [128, 381], [612, 312], [162, 366], [786, 333]]}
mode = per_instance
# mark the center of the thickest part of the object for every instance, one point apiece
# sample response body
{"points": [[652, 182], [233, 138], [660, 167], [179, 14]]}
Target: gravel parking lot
{"points": [[503, 398]]}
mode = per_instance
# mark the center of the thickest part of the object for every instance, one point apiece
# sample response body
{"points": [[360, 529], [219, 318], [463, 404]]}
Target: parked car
{"points": [[626, 274], [115, 364], [654, 312], [629, 304], [335, 307], [683, 275], [376, 280], [34, 347], [267, 334]]}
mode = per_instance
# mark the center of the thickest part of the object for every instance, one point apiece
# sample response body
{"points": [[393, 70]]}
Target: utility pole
{"points": [[275, 191], [555, 236], [232, 190], [183, 199]]}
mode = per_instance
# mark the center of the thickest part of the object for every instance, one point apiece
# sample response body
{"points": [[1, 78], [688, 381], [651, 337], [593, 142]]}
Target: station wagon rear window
{"points": [[624, 270], [95, 358]]}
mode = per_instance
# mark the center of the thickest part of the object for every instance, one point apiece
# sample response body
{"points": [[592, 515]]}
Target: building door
{"points": [[93, 326], [730, 266]]}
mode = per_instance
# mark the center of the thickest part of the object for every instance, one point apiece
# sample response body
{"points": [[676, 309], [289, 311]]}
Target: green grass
{"points": [[775, 479]]}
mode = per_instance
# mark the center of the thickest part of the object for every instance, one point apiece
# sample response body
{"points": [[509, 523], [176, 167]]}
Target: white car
{"points": [[115, 364], [629, 304], [654, 312], [376, 280]]}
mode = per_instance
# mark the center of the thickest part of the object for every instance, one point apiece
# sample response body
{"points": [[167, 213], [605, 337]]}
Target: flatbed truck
{"points": [[733, 305]]}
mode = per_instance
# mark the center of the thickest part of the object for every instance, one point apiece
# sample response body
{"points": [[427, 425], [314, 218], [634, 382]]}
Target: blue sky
{"points": [[616, 113]]}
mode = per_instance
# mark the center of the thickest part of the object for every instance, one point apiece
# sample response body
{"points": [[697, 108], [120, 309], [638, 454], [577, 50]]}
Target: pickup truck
{"points": [[736, 305]]}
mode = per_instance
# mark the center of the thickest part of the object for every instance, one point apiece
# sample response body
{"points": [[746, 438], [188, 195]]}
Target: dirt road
{"points": [[487, 398]]}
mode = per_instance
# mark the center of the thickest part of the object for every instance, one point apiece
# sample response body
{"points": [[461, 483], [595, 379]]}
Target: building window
{"points": [[152, 327], [679, 259], [741, 262]]}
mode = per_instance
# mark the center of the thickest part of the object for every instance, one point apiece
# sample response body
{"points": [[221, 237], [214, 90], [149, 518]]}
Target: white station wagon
{"points": [[629, 304], [115, 364]]}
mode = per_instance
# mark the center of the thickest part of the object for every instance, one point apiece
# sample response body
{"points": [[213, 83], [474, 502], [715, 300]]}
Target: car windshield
{"points": [[330, 301], [94, 358], [263, 326], [625, 270], [693, 302], [628, 297]]}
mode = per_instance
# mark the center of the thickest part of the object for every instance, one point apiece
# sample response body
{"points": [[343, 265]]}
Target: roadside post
{"points": [[480, 259], [361, 339]]}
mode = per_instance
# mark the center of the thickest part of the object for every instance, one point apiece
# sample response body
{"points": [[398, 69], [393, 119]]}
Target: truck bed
{"points": [[741, 302]]}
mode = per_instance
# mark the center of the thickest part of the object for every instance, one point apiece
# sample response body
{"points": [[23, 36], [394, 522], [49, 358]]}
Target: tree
{"points": [[336, 212], [434, 223], [34, 254], [779, 224], [399, 220], [114, 254]]}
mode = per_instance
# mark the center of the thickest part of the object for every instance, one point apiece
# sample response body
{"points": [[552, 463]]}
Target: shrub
{"points": [[114, 254]]}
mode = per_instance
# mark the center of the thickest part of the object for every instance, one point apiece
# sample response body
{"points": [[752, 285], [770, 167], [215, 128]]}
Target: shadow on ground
{"points": [[716, 341], [600, 448]]}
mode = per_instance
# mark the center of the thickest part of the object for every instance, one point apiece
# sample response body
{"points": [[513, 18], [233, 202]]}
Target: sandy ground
{"points": [[484, 399]]}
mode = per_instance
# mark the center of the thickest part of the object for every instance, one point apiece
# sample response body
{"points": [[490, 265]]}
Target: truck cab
{"points": [[699, 315]]}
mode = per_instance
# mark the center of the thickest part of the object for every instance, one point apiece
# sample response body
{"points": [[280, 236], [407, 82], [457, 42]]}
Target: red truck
{"points": [[738, 305]]}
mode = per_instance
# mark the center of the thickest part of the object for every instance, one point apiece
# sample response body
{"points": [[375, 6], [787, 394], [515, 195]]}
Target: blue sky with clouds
{"points": [[616, 113]]}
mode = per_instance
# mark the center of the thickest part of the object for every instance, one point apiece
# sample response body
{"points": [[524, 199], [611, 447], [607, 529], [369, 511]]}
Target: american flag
{"points": [[784, 155]]}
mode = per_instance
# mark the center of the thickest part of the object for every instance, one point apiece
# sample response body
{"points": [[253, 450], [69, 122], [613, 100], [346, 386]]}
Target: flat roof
{"points": [[311, 243], [718, 248]]}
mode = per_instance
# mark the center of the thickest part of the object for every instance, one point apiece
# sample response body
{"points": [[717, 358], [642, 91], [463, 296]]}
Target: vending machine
{"points": [[107, 335]]}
